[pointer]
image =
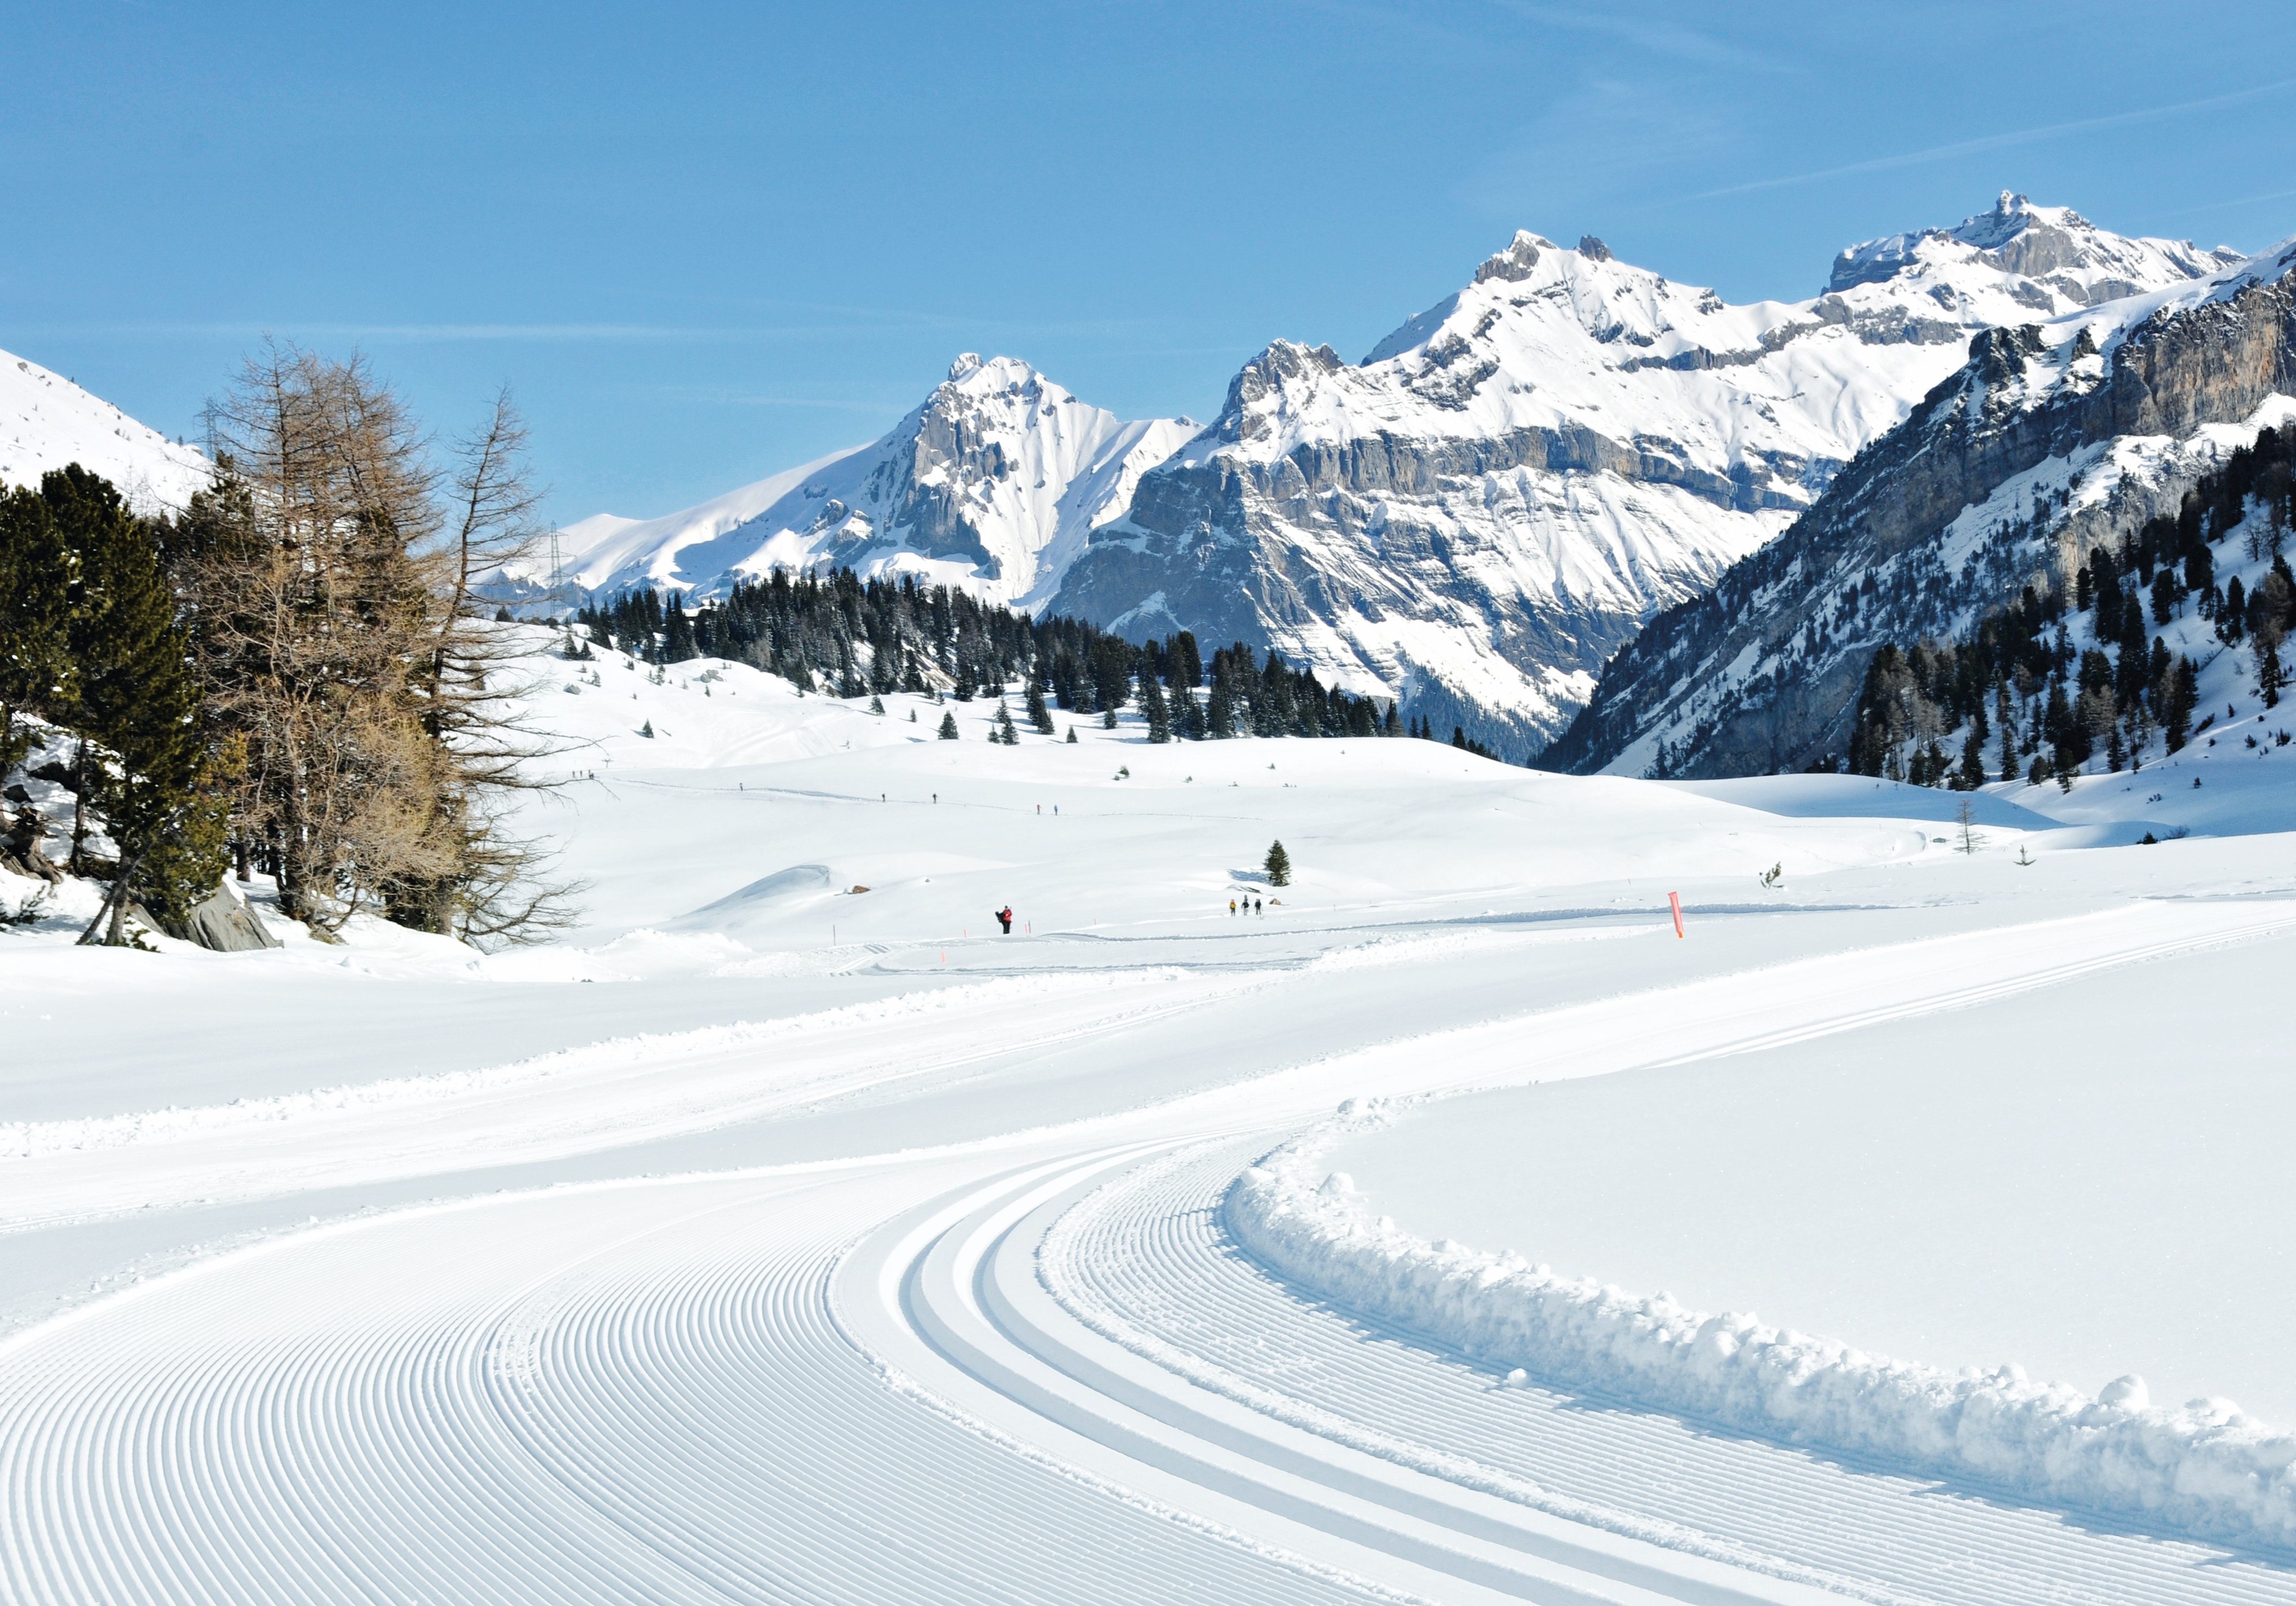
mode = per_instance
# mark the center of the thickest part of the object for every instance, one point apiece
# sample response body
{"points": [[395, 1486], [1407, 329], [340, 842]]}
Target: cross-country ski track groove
{"points": [[1027, 1370]]}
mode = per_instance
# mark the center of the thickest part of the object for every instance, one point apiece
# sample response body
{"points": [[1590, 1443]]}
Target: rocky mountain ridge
{"points": [[1491, 503], [2053, 437], [989, 484]]}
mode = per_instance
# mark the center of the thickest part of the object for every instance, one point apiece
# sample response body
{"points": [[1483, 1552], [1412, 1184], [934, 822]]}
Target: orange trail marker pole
{"points": [[1674, 899]]}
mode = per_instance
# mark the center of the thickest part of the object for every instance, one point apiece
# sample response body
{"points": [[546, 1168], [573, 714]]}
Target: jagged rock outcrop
{"points": [[2049, 438], [1477, 515]]}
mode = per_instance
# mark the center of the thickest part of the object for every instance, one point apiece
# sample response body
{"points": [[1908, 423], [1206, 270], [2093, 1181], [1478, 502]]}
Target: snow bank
{"points": [[2206, 1468]]}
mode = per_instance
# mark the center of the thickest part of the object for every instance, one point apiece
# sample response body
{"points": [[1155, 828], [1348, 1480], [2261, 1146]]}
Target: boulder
{"points": [[222, 922]]}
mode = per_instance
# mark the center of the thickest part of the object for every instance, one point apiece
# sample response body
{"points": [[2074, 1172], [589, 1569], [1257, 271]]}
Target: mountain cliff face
{"points": [[2052, 438], [46, 421], [1483, 511], [990, 484]]}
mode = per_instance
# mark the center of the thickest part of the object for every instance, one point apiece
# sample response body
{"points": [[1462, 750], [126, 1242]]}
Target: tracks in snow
{"points": [[1027, 1373]]}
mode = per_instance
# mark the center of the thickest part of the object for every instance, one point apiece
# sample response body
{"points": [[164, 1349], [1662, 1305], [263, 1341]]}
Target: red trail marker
{"points": [[1674, 899]]}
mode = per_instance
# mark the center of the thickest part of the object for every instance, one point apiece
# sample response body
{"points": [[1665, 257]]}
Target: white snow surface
{"points": [[786, 1233], [46, 421]]}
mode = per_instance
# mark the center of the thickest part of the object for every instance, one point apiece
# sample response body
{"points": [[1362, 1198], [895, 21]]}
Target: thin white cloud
{"points": [[1997, 142]]}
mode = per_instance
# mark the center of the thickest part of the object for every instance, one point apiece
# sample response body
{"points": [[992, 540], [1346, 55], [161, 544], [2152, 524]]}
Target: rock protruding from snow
{"points": [[991, 485], [1487, 507], [46, 421], [2207, 1468]]}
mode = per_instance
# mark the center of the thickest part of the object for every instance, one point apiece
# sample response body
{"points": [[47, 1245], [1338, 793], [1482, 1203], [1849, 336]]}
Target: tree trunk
{"points": [[80, 808], [115, 907]]}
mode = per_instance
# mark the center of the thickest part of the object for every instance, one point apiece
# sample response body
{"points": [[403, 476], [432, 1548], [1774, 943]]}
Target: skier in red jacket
{"points": [[1004, 919]]}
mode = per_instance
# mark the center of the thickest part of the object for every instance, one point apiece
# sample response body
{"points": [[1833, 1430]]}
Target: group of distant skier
{"points": [[1251, 905]]}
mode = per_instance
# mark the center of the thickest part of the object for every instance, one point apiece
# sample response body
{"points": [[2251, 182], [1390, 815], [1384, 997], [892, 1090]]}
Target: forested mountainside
{"points": [[2184, 616], [2054, 440]]}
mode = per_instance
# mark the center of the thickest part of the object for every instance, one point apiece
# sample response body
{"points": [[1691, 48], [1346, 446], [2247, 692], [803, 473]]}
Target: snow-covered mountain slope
{"points": [[46, 421], [2055, 436], [990, 484], [1479, 514]]}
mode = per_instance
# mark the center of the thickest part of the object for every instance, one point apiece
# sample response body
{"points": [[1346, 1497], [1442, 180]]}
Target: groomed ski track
{"points": [[1018, 1370]]}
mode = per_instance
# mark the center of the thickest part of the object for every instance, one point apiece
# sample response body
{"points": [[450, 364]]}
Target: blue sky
{"points": [[706, 242]]}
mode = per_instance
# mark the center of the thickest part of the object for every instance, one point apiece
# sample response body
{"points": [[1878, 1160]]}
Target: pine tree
{"points": [[1973, 761], [35, 603], [1005, 736], [646, 730], [1157, 712], [1393, 725], [949, 727], [1039, 714], [159, 787], [876, 704], [1278, 864], [1108, 716], [1071, 732], [1221, 715]]}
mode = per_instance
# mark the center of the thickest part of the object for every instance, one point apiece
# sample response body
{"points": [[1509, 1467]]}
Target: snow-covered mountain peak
{"points": [[2049, 259], [46, 421], [1499, 494], [989, 483]]}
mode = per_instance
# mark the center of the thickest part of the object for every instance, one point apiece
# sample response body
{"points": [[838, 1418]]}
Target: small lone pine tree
{"points": [[1157, 712], [949, 727], [1278, 866], [1071, 732], [646, 730], [876, 703]]}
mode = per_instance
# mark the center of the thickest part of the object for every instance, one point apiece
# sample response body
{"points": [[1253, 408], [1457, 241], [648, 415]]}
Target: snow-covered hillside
{"points": [[788, 1205], [2057, 436], [1482, 510], [990, 484], [46, 421]]}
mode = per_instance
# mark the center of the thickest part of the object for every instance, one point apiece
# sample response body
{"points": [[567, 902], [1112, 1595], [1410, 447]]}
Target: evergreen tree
{"points": [[876, 704], [1278, 864], [1071, 732], [1005, 736], [1973, 761], [2265, 637], [646, 730], [1158, 713], [1393, 724], [35, 601], [1221, 716], [949, 727], [158, 786], [1108, 717], [1039, 714], [2182, 696]]}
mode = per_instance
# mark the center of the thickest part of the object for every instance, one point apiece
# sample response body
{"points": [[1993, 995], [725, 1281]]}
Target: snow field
{"points": [[2083, 1182], [763, 1265], [2206, 1469]]}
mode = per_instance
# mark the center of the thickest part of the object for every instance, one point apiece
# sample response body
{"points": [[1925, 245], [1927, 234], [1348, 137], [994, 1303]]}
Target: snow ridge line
{"points": [[29, 1139], [2206, 1468]]}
